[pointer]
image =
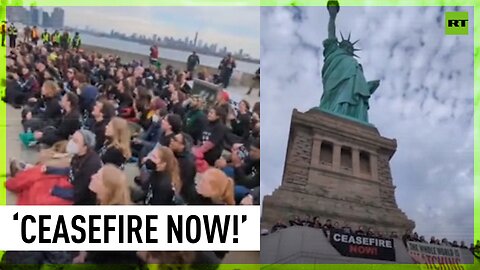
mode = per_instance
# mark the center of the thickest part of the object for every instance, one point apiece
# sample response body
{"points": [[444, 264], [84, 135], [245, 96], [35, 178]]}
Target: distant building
{"points": [[46, 19], [36, 16], [58, 18], [195, 40], [18, 14]]}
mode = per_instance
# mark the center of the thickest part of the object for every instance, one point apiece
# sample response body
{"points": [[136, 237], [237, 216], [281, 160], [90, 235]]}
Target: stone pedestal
{"points": [[337, 169]]}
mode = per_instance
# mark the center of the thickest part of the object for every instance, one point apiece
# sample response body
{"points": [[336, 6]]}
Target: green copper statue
{"points": [[345, 90]]}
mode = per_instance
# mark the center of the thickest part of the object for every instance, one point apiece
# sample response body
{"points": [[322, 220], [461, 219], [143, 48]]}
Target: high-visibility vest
{"points": [[34, 33], [76, 41], [45, 37], [12, 30]]}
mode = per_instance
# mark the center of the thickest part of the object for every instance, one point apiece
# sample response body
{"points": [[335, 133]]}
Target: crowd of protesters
{"points": [[315, 222], [102, 115]]}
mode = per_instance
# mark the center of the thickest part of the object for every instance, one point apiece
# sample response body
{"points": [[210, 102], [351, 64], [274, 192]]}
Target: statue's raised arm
{"points": [[346, 92], [333, 8]]}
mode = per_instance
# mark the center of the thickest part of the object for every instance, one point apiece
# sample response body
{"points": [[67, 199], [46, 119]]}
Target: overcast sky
{"points": [[425, 101], [234, 27]]}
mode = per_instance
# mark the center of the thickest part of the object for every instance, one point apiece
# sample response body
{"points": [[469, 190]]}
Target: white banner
{"points": [[135, 228], [432, 255]]}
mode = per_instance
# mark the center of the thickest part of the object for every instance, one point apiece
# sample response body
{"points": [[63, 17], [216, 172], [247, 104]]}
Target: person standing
{"points": [[192, 61], [45, 37], [12, 35], [27, 32], [226, 69], [4, 32], [55, 38], [65, 41], [255, 82], [154, 54], [77, 41], [35, 35]]}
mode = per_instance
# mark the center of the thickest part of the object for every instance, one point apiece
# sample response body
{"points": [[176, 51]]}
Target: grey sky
{"points": [[234, 27], [425, 101]]}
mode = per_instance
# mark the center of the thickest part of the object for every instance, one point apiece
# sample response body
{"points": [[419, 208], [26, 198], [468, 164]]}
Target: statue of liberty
{"points": [[345, 90]]}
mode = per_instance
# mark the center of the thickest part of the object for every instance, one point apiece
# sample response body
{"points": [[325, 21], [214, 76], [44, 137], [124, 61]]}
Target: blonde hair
{"points": [[121, 136], [116, 184], [52, 89], [172, 168], [221, 184]]}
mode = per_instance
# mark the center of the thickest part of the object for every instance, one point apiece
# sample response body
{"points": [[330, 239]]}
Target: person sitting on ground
{"points": [[23, 86], [212, 138], [116, 148], [278, 226], [110, 186], [45, 111], [69, 124], [247, 165], [241, 123], [214, 187], [146, 141], [176, 105], [195, 119], [171, 125], [164, 177], [182, 84], [84, 164], [102, 113], [186, 162]]}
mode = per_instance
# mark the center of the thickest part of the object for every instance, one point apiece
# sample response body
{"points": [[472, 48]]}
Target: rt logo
{"points": [[456, 23]]}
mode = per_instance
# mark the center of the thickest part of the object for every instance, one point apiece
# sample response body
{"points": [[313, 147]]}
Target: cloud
{"points": [[425, 101]]}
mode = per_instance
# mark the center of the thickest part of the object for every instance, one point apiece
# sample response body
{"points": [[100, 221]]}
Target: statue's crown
{"points": [[347, 44]]}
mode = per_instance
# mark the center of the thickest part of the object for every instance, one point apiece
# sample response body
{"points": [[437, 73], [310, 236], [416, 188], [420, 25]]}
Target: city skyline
{"points": [[236, 28]]}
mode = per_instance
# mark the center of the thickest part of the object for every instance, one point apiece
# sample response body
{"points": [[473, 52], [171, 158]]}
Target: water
{"points": [[176, 55]]}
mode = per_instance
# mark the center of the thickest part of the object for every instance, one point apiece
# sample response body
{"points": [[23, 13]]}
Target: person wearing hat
{"points": [[12, 35], [4, 32], [84, 164]]}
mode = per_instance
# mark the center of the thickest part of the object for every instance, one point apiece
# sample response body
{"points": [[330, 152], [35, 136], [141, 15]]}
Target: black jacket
{"points": [[160, 191], [248, 175], [68, 125], [98, 128], [82, 169], [52, 112], [188, 170]]}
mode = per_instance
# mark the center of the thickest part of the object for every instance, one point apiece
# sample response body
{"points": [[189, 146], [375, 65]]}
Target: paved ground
{"points": [[16, 150]]}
